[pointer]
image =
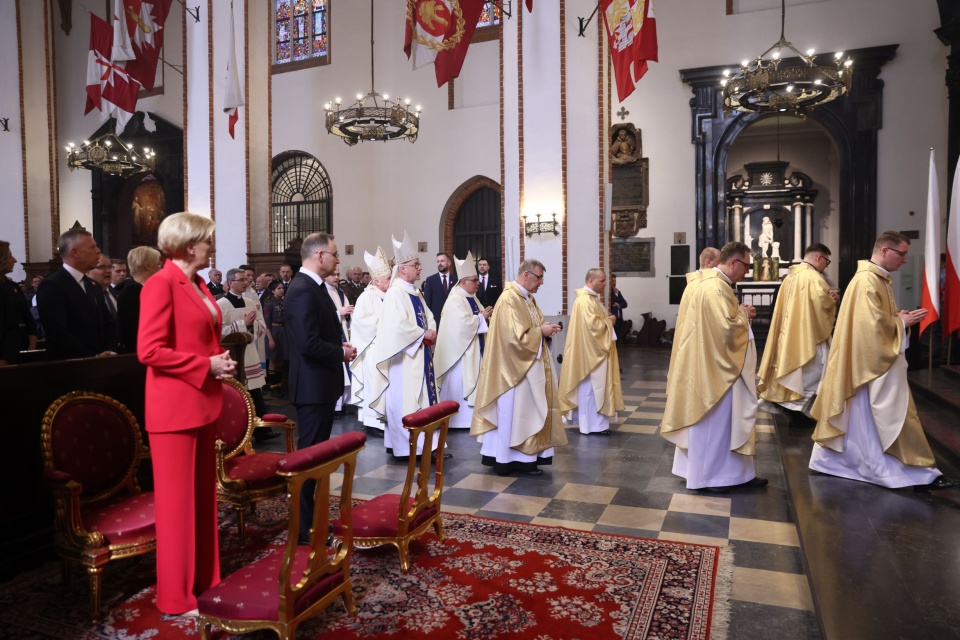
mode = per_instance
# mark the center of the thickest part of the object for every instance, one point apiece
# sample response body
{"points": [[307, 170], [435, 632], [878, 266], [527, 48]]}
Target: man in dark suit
{"points": [[438, 286], [488, 290], [317, 352], [617, 305], [101, 275], [286, 276], [216, 283], [71, 306]]}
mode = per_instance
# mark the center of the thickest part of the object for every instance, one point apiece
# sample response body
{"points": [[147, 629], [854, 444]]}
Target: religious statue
{"points": [[766, 236], [624, 144]]}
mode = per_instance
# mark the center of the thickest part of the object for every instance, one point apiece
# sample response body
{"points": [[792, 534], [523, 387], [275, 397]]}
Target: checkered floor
{"points": [[623, 484]]}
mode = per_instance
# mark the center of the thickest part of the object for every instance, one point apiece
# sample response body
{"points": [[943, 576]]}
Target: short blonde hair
{"points": [[141, 259], [180, 230]]}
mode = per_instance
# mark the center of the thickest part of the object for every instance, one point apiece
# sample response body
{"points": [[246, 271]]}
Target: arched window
{"points": [[488, 26], [302, 198], [301, 34]]}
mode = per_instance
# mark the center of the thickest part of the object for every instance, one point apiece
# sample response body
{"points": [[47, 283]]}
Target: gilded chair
{"points": [[397, 519], [91, 448], [284, 588], [245, 477]]}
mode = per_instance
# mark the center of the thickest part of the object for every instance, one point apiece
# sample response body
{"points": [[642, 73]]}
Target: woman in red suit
{"points": [[179, 341]]}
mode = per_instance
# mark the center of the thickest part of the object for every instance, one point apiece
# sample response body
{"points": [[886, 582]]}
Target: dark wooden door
{"points": [[477, 229]]}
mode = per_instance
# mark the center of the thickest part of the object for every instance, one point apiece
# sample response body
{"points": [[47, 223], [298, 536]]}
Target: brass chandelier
{"points": [[372, 116], [776, 85], [110, 155]]}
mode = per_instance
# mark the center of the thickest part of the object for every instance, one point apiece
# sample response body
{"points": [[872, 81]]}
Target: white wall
{"points": [[11, 142], [697, 33]]}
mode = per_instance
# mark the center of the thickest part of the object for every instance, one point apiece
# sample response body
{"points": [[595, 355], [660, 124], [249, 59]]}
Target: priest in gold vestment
{"points": [[460, 343], [517, 417], [590, 392], [867, 425], [799, 339], [711, 405]]}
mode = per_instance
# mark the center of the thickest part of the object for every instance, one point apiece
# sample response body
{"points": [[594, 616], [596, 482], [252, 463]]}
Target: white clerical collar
{"points": [[405, 285], [523, 292], [885, 272], [725, 276], [591, 292]]}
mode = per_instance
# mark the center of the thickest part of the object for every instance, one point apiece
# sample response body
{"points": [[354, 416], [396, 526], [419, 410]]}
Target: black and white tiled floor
{"points": [[623, 484]]}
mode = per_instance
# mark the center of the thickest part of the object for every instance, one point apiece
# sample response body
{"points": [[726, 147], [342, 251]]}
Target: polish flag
{"points": [[950, 314], [233, 96], [930, 293]]}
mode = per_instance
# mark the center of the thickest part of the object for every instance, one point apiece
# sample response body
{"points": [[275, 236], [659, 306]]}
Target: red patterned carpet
{"points": [[491, 579]]}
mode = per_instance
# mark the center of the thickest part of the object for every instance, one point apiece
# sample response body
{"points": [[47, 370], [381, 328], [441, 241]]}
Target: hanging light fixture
{"points": [[777, 85], [372, 116], [111, 155]]}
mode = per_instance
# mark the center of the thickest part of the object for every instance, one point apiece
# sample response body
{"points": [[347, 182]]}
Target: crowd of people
{"points": [[376, 344]]}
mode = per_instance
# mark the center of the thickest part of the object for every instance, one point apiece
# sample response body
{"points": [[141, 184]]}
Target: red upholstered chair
{"points": [[398, 519], [91, 448], [288, 586], [245, 477]]}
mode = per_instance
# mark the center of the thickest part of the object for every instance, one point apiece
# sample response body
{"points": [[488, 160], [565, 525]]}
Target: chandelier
{"points": [[110, 155], [372, 116], [775, 85]]}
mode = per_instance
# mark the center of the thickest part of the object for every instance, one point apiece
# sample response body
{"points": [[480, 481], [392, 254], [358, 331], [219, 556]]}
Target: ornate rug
{"points": [[491, 579]]}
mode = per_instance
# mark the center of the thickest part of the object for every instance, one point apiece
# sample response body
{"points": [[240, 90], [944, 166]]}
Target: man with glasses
{"points": [[402, 354], [517, 415], [460, 343], [711, 405], [317, 353], [867, 425], [800, 329]]}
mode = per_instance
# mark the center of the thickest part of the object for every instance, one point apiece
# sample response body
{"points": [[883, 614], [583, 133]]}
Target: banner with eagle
{"points": [[439, 31]]}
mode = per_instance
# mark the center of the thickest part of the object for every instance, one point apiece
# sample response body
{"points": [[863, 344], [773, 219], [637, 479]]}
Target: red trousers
{"points": [[185, 492]]}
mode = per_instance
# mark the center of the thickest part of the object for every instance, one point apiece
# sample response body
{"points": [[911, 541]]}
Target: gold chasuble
{"points": [[802, 319], [513, 345], [866, 350], [589, 344], [710, 349]]}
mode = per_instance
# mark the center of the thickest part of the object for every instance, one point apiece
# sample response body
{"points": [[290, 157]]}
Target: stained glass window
{"points": [[490, 16], [301, 31]]}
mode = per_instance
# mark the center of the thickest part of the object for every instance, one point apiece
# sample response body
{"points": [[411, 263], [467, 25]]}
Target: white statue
{"points": [[766, 236], [776, 250]]}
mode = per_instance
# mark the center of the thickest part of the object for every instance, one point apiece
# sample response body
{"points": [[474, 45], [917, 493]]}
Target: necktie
{"points": [[445, 287], [108, 300], [483, 282]]}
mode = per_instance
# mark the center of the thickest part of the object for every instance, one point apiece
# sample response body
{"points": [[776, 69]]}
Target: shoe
{"points": [[940, 483], [605, 432], [717, 490], [756, 482], [193, 613], [531, 472], [446, 456]]}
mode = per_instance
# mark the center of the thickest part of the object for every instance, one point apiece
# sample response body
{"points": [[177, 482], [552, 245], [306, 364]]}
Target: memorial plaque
{"points": [[632, 257]]}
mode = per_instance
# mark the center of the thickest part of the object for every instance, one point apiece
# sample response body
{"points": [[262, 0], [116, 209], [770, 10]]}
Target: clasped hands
{"points": [[222, 366], [549, 330], [911, 318], [751, 311]]}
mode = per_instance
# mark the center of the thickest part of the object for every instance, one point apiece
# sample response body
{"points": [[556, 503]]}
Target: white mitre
{"points": [[404, 251], [466, 268], [377, 263]]}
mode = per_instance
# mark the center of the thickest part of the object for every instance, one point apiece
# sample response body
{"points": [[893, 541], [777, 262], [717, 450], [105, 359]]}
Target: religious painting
{"points": [[147, 209]]}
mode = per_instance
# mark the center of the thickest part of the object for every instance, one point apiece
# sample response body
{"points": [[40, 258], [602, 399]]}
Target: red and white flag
{"points": [[118, 94], [930, 292], [439, 31], [122, 46], [632, 32], [950, 314], [98, 61], [145, 21], [233, 94]]}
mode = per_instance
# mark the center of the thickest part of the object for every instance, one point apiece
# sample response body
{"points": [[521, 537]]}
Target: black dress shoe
{"points": [[446, 456], [717, 490], [605, 432], [529, 472], [756, 482], [940, 483]]}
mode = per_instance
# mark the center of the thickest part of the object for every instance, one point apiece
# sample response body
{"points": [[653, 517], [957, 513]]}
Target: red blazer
{"points": [[176, 339]]}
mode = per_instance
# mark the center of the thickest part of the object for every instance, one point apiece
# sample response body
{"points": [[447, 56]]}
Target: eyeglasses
{"points": [[902, 254], [335, 254], [415, 265], [828, 260], [538, 277], [745, 264]]}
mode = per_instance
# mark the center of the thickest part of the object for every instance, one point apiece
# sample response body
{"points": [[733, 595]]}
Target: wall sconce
{"points": [[539, 226]]}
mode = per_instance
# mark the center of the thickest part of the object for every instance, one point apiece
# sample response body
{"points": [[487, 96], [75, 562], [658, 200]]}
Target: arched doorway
{"points": [[472, 221], [302, 199]]}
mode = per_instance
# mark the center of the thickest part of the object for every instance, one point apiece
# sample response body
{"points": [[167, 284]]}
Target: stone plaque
{"points": [[632, 257]]}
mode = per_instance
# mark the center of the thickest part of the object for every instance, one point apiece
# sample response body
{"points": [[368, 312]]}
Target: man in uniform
{"points": [[800, 329], [590, 376], [352, 286], [405, 381], [517, 416], [867, 425], [711, 397], [460, 343]]}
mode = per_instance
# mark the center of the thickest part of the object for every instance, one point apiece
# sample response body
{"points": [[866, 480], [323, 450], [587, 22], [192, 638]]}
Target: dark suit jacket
{"points": [[75, 325], [216, 289], [128, 315], [352, 291], [435, 294], [488, 296], [316, 347]]}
